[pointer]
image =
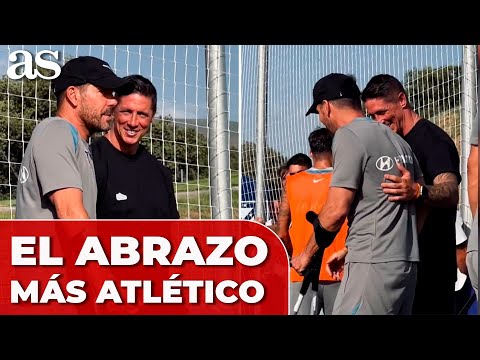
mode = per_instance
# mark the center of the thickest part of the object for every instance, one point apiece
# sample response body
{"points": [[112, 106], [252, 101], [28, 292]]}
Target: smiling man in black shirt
{"points": [[386, 101]]}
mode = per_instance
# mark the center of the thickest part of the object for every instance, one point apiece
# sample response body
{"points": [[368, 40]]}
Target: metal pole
{"points": [[218, 131], [261, 130], [469, 109]]}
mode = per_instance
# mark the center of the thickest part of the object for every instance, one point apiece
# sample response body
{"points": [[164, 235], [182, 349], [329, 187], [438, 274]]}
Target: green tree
{"points": [[181, 147], [23, 103], [435, 93]]}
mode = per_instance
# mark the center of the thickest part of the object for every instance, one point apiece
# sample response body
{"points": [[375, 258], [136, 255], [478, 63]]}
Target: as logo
{"points": [[27, 65], [384, 163]]}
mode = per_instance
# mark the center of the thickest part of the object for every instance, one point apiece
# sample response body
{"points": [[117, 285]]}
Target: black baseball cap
{"points": [[87, 70], [331, 87]]}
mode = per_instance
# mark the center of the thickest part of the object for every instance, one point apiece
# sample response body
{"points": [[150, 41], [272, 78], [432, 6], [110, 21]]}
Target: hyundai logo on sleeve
{"points": [[384, 163]]}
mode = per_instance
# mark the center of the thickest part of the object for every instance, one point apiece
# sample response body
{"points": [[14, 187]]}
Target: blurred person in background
{"points": [[307, 191]]}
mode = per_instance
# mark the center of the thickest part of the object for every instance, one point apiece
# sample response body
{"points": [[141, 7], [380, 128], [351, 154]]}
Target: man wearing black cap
{"points": [[56, 178], [381, 252]]}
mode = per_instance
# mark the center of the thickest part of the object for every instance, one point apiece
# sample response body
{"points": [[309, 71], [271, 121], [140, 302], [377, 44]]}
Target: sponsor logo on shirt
{"points": [[384, 163], [23, 175], [405, 159]]}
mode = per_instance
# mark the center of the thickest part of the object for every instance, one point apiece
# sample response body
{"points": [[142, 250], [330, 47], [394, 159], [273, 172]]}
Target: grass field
{"points": [[6, 203], [193, 200], [5, 209], [196, 205], [202, 184]]}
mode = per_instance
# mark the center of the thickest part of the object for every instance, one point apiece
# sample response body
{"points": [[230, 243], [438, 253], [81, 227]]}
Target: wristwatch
{"points": [[423, 192]]}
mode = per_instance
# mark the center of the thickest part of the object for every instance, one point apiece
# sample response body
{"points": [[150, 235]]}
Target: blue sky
{"points": [[177, 71]]}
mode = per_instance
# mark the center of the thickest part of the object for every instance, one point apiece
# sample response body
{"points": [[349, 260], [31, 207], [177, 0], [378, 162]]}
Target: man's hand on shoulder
{"points": [[400, 188]]}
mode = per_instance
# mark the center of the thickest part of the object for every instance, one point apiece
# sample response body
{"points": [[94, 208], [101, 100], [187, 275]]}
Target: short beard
{"points": [[93, 121]]}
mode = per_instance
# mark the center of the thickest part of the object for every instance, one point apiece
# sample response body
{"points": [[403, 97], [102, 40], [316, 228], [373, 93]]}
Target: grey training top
{"points": [[56, 157], [379, 230]]}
